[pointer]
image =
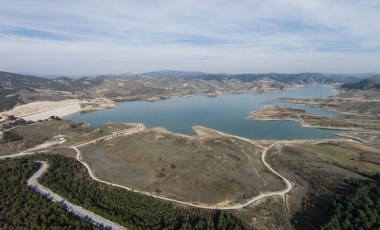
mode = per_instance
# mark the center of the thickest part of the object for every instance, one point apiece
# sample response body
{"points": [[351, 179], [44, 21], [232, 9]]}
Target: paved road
{"points": [[70, 207]]}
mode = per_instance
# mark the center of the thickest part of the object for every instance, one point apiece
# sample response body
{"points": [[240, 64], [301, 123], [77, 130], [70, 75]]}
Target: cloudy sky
{"points": [[96, 37]]}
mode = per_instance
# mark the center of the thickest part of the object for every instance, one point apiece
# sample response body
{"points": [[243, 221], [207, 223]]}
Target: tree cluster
{"points": [[359, 210], [362, 85], [10, 136], [70, 179], [22, 208]]}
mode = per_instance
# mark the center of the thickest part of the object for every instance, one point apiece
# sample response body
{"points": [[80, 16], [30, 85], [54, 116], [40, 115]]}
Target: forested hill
{"points": [[13, 80], [370, 83], [299, 78], [18, 89], [18, 81], [359, 210]]}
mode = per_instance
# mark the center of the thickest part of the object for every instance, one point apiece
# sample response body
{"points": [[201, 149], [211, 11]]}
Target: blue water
{"points": [[225, 113]]}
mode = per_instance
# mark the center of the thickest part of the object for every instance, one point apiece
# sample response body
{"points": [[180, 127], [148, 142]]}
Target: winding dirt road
{"points": [[33, 150], [281, 193], [141, 127]]}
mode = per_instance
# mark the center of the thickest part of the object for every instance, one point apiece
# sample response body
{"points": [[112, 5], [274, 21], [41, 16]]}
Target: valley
{"points": [[262, 182]]}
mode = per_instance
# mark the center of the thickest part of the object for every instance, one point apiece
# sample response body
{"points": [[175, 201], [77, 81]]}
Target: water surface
{"points": [[226, 113]]}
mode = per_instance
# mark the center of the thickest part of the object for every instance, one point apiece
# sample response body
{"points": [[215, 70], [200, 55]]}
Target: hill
{"points": [[173, 73], [370, 83], [18, 89], [17, 81], [301, 78]]}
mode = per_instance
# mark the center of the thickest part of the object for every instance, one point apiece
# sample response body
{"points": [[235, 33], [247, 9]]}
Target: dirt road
{"points": [[141, 127], [281, 193]]}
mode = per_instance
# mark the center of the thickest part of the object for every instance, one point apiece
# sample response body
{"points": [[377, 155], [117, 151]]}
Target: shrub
{"points": [[10, 136]]}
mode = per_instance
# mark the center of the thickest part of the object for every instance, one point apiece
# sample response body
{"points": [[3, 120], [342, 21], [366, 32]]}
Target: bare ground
{"points": [[198, 169]]}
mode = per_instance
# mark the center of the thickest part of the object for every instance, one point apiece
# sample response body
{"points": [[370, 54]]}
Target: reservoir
{"points": [[226, 113]]}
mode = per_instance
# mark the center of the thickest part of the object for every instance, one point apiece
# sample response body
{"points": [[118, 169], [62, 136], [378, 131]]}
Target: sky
{"points": [[77, 37]]}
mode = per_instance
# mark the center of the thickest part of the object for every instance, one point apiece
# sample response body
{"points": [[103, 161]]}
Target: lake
{"points": [[226, 113]]}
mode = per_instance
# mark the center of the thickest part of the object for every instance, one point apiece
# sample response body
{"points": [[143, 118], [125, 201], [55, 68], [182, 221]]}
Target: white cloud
{"points": [[91, 37]]}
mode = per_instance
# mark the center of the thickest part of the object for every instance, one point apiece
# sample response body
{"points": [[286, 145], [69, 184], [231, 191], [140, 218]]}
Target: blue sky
{"points": [[98, 37]]}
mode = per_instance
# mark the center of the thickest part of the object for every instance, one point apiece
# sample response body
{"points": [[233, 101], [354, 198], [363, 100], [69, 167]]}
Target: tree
{"points": [[10, 136]]}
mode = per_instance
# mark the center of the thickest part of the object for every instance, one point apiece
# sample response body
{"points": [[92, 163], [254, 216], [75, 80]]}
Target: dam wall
{"points": [[59, 112]]}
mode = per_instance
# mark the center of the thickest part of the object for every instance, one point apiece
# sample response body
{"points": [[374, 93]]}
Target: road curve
{"points": [[203, 206], [33, 150], [289, 185], [141, 127], [84, 214]]}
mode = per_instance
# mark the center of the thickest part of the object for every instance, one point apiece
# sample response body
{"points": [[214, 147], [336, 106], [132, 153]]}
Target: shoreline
{"points": [[111, 102], [216, 94], [308, 126], [203, 132], [285, 113]]}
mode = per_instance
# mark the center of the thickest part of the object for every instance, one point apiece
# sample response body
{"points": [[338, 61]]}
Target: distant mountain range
{"points": [[299, 78], [172, 73], [19, 89], [14, 80]]}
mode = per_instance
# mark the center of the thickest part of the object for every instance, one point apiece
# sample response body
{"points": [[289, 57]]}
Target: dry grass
{"points": [[319, 172], [370, 157], [346, 154], [206, 170]]}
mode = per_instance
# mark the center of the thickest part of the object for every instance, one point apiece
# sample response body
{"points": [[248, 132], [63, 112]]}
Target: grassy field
{"points": [[319, 171], [267, 214], [35, 134], [39, 132], [344, 122], [84, 134], [206, 170], [352, 122], [345, 154]]}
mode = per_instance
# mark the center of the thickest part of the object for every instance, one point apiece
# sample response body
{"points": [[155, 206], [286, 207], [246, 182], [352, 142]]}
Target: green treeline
{"points": [[8, 98], [359, 210], [70, 179], [10, 136], [22, 208], [362, 85]]}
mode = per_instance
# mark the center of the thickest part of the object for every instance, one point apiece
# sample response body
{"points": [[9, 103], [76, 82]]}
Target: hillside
{"points": [[370, 83], [173, 73], [17, 81], [16, 89], [301, 78]]}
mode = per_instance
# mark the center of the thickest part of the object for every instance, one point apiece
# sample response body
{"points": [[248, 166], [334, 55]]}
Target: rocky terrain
{"points": [[16, 89]]}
